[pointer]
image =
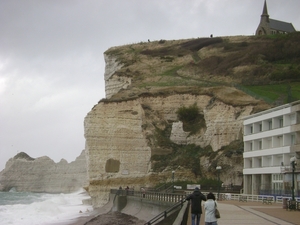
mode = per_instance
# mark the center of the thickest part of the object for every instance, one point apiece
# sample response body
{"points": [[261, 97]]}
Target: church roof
{"points": [[281, 26]]}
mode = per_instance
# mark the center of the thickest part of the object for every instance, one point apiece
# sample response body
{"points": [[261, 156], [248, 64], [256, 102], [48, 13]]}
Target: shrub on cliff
{"points": [[191, 118], [187, 114]]}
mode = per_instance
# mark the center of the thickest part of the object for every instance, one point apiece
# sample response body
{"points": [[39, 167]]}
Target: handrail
{"points": [[170, 188], [174, 197], [183, 214], [160, 188], [179, 199], [165, 213], [157, 196]]}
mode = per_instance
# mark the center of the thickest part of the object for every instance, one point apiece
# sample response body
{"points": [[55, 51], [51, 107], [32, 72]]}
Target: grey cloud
{"points": [[52, 65]]}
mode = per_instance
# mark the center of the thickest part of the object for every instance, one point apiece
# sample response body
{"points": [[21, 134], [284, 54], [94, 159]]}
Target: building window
{"points": [[293, 139], [268, 143], [270, 124], [260, 127], [277, 177], [281, 122], [292, 118], [280, 141], [278, 186]]}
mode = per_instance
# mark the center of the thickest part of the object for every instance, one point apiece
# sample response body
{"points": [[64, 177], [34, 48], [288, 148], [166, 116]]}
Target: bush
{"points": [[291, 73], [187, 114]]}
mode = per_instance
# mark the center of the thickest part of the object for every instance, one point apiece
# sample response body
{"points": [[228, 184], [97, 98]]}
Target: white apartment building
{"points": [[271, 139]]}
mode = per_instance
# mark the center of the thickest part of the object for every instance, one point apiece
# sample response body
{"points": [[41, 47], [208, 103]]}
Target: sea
{"points": [[25, 208]]}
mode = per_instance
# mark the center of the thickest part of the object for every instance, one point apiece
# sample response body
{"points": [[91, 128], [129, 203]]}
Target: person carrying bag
{"points": [[217, 213], [211, 211]]}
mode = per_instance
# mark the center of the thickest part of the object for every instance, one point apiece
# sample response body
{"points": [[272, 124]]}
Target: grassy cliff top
{"points": [[249, 63]]}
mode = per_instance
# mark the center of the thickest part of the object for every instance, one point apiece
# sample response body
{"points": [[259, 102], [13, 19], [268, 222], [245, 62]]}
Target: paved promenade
{"points": [[246, 213]]}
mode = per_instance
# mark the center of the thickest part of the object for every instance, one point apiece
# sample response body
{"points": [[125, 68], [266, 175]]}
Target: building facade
{"points": [[271, 140], [270, 26]]}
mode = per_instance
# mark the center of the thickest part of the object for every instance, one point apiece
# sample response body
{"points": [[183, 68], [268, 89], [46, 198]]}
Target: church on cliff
{"points": [[271, 26]]}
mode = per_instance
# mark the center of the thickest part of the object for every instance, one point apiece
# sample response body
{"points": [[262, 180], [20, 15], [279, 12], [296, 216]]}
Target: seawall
{"points": [[139, 207]]}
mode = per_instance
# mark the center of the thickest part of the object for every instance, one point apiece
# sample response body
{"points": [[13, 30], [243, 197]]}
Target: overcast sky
{"points": [[52, 64]]}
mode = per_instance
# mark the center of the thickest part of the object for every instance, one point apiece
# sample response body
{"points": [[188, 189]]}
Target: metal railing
{"points": [[286, 193], [166, 213], [179, 199], [156, 196]]}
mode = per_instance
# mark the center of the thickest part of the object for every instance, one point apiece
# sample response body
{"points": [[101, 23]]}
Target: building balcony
{"points": [[262, 170], [270, 133], [266, 152]]}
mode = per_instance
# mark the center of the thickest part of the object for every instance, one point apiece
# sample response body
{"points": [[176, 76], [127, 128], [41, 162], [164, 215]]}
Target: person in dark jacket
{"points": [[196, 198]]}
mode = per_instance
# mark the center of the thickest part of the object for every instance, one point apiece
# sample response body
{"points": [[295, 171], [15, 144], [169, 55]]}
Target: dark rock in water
{"points": [[115, 218]]}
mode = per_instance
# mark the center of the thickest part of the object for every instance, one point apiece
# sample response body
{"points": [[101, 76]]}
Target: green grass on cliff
{"points": [[261, 66], [275, 93]]}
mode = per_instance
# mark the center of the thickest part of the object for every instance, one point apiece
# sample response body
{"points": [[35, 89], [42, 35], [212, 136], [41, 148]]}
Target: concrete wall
{"points": [[143, 209]]}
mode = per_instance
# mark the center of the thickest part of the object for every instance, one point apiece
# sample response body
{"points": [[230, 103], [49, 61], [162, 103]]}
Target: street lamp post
{"points": [[173, 172], [293, 163], [218, 168]]}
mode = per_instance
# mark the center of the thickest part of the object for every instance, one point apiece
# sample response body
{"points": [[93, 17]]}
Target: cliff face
{"points": [[43, 175], [120, 137], [132, 135]]}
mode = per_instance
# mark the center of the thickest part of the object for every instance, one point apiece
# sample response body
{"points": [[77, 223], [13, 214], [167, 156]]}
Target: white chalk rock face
{"points": [[116, 135], [113, 82], [24, 173]]}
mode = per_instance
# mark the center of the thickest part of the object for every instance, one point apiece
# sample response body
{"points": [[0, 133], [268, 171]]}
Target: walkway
{"points": [[246, 213]]}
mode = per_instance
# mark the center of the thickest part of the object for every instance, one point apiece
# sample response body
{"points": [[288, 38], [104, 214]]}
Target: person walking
{"points": [[196, 207], [209, 207]]}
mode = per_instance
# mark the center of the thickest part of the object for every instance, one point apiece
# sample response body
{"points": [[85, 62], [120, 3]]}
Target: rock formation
{"points": [[124, 131], [135, 138], [42, 174], [119, 134]]}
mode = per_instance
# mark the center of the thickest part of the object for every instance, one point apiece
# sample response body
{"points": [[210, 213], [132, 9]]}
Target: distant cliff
{"points": [[24, 173]]}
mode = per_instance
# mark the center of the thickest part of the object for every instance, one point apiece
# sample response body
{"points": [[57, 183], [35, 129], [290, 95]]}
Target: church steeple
{"points": [[265, 14]]}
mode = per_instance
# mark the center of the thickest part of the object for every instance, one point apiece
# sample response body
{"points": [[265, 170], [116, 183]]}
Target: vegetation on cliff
{"points": [[230, 69], [192, 119], [250, 63]]}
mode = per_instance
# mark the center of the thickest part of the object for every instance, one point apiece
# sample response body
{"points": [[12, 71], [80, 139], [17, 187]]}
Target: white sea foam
{"points": [[38, 209]]}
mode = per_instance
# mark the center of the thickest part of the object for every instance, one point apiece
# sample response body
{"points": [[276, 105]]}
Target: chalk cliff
{"points": [[133, 136], [121, 136], [44, 175]]}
